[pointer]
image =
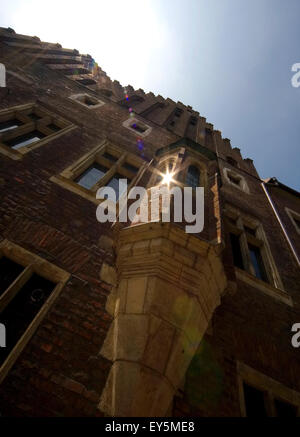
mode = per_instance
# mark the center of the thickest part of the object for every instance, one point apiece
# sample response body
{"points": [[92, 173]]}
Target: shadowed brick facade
{"points": [[145, 319]]}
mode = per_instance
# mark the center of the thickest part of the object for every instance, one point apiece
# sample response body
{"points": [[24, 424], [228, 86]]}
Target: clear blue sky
{"points": [[229, 59]]}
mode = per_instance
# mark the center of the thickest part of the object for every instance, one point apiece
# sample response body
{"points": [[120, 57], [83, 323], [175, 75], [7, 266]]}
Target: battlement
{"points": [[177, 117]]}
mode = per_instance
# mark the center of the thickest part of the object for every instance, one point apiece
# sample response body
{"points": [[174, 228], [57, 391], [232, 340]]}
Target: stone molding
{"points": [[168, 286]]}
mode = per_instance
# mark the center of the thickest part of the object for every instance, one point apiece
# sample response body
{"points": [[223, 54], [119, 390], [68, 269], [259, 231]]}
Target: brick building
{"points": [[135, 319]]}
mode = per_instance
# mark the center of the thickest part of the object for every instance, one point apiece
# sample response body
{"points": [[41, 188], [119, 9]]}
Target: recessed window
{"points": [[28, 287], [257, 262], [91, 176], [119, 186], [24, 140], [9, 125], [236, 180], [137, 126], [54, 127], [110, 157], [236, 251], [130, 167], [193, 121], [87, 100], [254, 402], [25, 127], [33, 116], [193, 176]]}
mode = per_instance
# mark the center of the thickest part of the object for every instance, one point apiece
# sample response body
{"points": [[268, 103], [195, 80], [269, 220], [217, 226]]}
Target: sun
{"points": [[167, 178]]}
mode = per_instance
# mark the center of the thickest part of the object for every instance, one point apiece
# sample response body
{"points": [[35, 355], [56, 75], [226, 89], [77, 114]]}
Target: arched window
{"points": [[193, 177]]}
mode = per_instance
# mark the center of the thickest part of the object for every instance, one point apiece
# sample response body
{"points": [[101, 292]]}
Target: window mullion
{"points": [[108, 175], [13, 289]]}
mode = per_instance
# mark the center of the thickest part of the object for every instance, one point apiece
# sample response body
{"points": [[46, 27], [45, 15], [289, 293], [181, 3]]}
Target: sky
{"points": [[230, 60]]}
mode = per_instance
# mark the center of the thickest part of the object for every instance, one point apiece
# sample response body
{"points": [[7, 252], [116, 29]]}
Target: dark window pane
{"points": [[54, 127], [193, 176], [91, 176], [236, 251], [24, 140], [9, 271], [9, 125], [34, 116], [130, 167], [114, 183], [139, 128], [254, 402], [110, 157], [257, 262], [234, 179], [284, 409], [20, 312]]}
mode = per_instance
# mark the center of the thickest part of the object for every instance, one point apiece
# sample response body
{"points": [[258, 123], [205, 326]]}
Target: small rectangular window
{"points": [[139, 127], [24, 140], [250, 231], [254, 402], [91, 176]]}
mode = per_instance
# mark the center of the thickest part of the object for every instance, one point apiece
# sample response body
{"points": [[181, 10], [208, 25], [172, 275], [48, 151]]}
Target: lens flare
{"points": [[167, 178]]}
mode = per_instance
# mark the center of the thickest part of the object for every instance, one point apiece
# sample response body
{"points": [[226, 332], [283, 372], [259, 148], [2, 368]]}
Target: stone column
{"points": [[168, 284]]}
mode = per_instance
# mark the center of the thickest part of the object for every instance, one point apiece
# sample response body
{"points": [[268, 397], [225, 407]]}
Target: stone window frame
{"points": [[242, 185], [190, 160], [77, 97], [67, 177], [274, 287], [272, 389], [179, 161], [131, 120], [32, 263], [293, 214], [21, 112]]}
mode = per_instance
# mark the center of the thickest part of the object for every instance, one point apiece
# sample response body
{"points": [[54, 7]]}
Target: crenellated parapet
{"points": [[180, 119]]}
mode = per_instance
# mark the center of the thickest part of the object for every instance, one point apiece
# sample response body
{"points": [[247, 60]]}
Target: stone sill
{"points": [[266, 288]]}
